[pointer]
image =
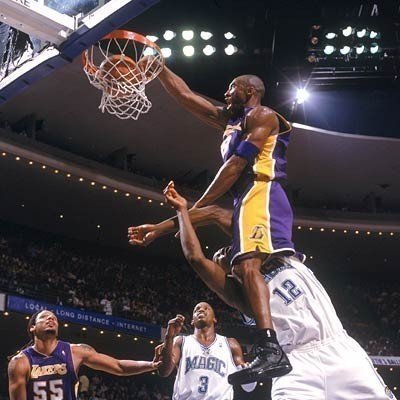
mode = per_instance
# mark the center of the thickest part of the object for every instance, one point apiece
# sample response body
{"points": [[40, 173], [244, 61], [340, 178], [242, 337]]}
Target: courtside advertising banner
{"points": [[83, 317]]}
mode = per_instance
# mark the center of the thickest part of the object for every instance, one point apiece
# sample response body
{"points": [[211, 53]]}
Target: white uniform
{"points": [[327, 363], [203, 370]]}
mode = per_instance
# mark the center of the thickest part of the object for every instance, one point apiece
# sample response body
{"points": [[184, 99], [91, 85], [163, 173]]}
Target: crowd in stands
{"points": [[153, 291], [106, 387]]}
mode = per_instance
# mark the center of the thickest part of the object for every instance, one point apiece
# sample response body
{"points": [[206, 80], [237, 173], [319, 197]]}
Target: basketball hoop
{"points": [[121, 65]]}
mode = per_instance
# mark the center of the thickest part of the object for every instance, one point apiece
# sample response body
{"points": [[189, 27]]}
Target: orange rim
{"points": [[121, 34]]}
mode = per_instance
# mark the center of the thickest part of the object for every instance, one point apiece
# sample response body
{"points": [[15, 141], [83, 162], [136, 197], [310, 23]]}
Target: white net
{"points": [[121, 65]]}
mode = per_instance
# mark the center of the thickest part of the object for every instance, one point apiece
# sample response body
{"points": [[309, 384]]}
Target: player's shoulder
{"points": [[18, 362], [262, 114], [81, 348]]}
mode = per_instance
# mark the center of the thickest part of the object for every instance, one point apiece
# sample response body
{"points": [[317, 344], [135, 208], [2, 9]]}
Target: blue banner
{"points": [[83, 317]]}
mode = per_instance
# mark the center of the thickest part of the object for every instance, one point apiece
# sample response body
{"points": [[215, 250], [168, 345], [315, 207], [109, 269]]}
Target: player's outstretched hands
{"points": [[157, 360], [174, 198], [142, 235], [175, 325]]}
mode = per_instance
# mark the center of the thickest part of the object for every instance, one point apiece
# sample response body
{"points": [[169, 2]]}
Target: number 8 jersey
{"points": [[52, 377], [203, 370]]}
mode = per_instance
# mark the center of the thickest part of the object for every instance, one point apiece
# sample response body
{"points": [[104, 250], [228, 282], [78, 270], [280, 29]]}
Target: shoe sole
{"points": [[243, 377]]}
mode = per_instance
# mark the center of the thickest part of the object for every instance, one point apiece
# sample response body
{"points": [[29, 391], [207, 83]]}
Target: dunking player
{"points": [[48, 368], [203, 360], [327, 363], [253, 151]]}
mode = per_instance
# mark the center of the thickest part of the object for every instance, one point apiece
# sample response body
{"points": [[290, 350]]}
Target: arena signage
{"points": [[83, 317]]}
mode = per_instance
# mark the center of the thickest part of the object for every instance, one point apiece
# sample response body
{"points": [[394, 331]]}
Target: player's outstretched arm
{"points": [[170, 350], [145, 234], [84, 354], [210, 273], [197, 105], [18, 371]]}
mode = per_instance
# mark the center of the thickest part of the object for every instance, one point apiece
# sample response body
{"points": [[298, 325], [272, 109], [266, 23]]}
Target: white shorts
{"points": [[335, 369]]}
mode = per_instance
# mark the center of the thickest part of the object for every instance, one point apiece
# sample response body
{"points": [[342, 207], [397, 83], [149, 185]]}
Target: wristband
{"points": [[248, 151]]}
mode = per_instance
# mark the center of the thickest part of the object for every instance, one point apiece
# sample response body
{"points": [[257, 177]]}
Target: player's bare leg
{"points": [[270, 359]]}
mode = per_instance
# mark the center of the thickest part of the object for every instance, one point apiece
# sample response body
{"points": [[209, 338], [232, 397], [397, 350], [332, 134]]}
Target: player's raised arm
{"points": [[84, 354], [237, 352], [18, 372], [210, 272], [171, 348], [197, 105]]}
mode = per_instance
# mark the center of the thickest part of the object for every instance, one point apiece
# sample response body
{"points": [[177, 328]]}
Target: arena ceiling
{"points": [[324, 167]]}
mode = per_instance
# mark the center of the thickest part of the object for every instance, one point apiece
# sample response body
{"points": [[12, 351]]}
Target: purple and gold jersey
{"points": [[270, 164], [52, 377], [262, 216]]}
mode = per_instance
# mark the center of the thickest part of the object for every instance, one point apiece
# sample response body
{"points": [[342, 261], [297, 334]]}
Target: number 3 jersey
{"points": [[203, 370], [52, 377]]}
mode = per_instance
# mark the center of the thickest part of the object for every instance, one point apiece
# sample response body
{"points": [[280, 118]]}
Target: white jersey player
{"points": [[327, 363], [203, 360]]}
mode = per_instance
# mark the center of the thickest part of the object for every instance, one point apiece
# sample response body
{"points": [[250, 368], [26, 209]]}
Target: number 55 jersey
{"points": [[51, 377]]}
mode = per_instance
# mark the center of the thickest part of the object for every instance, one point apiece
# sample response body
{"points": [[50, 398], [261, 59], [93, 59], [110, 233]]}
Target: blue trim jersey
{"points": [[51, 377], [203, 370]]}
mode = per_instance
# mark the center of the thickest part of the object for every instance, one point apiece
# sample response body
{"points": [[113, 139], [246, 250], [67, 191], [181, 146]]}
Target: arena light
{"points": [[230, 49], [360, 49], [373, 35], [347, 31], [169, 35], [302, 95], [329, 49], [330, 35], [149, 51], [153, 38], [209, 50], [361, 33], [229, 35], [166, 52], [188, 35], [206, 35], [374, 48], [188, 51], [345, 50]]}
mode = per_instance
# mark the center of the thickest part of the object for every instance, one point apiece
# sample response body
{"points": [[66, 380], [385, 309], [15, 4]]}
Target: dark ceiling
{"points": [[324, 167]]}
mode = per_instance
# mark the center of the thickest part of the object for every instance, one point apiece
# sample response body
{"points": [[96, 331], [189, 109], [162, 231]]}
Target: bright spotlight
{"points": [[152, 38], [374, 48], [230, 49], [347, 31], [328, 50], [169, 35], [188, 51], [166, 52], [302, 95], [208, 50], [373, 35], [149, 51], [361, 33], [206, 35], [360, 49], [345, 50], [229, 35], [188, 35], [330, 35]]}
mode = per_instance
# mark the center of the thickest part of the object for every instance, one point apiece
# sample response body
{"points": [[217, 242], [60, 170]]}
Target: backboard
{"points": [[38, 36]]}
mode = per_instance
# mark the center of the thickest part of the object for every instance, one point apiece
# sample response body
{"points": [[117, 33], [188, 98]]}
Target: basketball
{"points": [[120, 72]]}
